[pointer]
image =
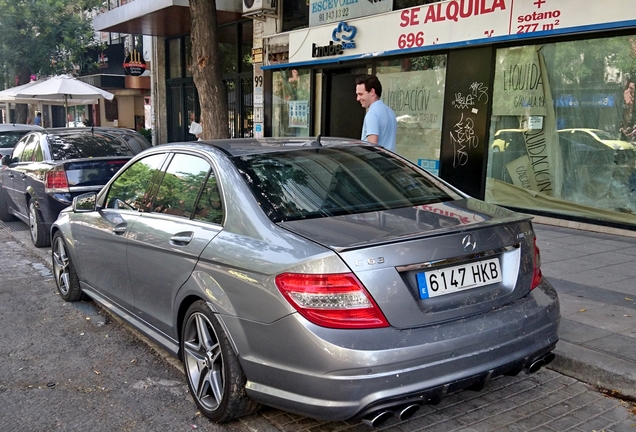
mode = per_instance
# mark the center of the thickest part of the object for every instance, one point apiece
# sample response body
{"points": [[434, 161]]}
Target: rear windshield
{"points": [[9, 139], [85, 145], [332, 181]]}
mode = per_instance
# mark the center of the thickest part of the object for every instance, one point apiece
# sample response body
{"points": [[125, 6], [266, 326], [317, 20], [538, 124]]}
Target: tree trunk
{"points": [[22, 110], [206, 70]]}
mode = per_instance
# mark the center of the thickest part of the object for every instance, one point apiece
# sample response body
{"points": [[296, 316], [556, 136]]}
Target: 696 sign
{"points": [[410, 40]]}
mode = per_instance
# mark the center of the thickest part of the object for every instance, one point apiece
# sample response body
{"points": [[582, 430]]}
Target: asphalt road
{"points": [[73, 367]]}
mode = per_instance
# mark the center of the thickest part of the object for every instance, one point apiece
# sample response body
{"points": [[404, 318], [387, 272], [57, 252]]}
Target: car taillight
{"points": [[331, 300], [55, 181], [536, 266]]}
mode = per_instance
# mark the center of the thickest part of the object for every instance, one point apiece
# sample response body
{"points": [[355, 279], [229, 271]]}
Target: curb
{"points": [[595, 368]]}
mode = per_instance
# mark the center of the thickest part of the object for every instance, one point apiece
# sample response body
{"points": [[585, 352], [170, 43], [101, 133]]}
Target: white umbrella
{"points": [[62, 87], [9, 95]]}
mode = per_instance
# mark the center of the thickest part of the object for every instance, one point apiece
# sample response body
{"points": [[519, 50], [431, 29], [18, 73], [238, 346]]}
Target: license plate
{"points": [[448, 280]]}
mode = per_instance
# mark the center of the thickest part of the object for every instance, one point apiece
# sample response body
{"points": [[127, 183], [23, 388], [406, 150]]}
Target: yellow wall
{"points": [[128, 106]]}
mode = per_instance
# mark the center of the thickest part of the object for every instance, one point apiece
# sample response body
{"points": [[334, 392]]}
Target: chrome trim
{"points": [[449, 261], [85, 188]]}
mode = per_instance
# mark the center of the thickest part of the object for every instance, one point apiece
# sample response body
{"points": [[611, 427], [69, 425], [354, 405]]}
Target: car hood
{"points": [[618, 145], [365, 229]]}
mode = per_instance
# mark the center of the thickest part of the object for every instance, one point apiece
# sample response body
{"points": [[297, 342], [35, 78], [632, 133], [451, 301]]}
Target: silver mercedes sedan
{"points": [[326, 277]]}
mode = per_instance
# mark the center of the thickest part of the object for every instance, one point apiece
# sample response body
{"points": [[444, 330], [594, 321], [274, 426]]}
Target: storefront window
{"points": [[562, 131], [414, 88], [290, 108]]}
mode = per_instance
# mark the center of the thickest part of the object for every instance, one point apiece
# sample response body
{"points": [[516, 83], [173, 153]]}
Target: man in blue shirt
{"points": [[380, 125], [38, 119]]}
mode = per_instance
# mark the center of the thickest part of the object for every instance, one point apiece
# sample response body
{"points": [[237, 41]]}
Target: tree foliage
{"points": [[44, 37]]}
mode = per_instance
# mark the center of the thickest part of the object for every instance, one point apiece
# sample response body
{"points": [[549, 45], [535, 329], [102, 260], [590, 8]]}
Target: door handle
{"points": [[119, 229], [182, 238]]}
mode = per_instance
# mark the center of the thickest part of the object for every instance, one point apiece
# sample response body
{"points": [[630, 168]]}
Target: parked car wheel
{"points": [[64, 271], [5, 216], [39, 236], [215, 377]]}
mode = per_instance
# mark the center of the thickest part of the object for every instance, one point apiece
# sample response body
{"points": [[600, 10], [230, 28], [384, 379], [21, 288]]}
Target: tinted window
{"points": [[137, 145], [209, 207], [19, 148], [38, 154], [335, 181], [9, 139], [27, 154], [85, 145], [181, 185], [133, 188]]}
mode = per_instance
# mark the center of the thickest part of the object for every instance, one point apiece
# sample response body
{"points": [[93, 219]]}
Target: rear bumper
{"points": [[50, 206], [343, 374]]}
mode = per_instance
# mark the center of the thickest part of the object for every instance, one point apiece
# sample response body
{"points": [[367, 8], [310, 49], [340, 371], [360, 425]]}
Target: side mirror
{"points": [[85, 203], [6, 160]]}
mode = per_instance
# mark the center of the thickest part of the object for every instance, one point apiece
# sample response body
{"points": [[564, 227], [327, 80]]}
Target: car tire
{"points": [[39, 236], [5, 216], [215, 377], [64, 271]]}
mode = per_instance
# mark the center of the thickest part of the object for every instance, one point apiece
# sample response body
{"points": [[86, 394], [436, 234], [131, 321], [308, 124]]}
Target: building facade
{"points": [[174, 98], [527, 104]]}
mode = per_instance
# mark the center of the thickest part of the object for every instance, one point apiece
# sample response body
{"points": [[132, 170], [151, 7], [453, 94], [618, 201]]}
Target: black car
{"points": [[48, 168], [10, 134]]}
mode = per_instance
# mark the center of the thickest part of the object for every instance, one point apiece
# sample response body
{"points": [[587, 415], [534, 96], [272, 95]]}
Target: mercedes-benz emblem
{"points": [[469, 243]]}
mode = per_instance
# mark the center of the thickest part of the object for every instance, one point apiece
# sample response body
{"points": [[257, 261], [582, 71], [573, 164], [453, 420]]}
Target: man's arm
{"points": [[372, 139]]}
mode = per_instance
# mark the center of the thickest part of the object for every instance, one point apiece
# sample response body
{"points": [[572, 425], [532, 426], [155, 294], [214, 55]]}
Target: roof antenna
{"points": [[316, 142]]}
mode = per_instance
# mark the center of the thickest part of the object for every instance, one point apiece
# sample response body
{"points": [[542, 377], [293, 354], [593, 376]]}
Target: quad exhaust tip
{"points": [[541, 362], [408, 411], [378, 418]]}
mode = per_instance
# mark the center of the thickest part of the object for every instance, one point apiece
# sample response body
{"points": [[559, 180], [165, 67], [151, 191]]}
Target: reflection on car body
{"points": [[293, 273]]}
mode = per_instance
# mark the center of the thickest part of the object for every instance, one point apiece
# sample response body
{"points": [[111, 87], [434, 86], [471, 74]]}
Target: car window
{"points": [[132, 189], [38, 154], [86, 144], [10, 139], [27, 154], [209, 207], [136, 144], [19, 148], [181, 185], [332, 181]]}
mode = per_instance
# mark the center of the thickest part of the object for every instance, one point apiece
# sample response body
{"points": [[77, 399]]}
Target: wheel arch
{"points": [[184, 305], [29, 194]]}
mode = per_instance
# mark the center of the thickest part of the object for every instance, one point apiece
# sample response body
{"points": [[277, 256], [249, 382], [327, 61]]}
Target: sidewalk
{"points": [[593, 274]]}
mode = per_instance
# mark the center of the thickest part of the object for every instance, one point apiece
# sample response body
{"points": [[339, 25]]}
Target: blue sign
{"points": [[430, 165]]}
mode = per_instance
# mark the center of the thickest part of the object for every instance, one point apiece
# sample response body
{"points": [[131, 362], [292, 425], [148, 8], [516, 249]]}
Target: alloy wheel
{"points": [[33, 221], [204, 361], [61, 266]]}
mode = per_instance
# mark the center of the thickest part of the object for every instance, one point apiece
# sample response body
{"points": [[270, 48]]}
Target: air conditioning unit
{"points": [[252, 7]]}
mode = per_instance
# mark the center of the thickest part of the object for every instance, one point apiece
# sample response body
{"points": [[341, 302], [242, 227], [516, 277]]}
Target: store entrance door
{"points": [[344, 115]]}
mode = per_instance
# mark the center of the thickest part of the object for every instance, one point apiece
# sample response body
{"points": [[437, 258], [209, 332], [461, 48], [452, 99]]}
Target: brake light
{"points": [[55, 181], [536, 266], [331, 300]]}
